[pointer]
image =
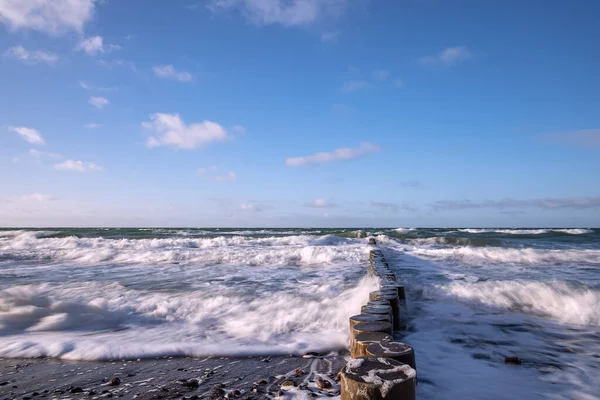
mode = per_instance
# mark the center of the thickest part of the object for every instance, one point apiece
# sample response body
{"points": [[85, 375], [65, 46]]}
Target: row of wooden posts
{"points": [[380, 368]]}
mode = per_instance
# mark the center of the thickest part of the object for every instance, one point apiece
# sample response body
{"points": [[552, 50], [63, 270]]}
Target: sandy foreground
{"points": [[172, 378]]}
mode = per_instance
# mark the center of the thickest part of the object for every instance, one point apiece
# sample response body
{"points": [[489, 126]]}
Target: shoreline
{"points": [[171, 378]]}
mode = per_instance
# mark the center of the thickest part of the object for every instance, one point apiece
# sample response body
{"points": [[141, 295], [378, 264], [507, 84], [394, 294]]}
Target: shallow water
{"points": [[475, 296]]}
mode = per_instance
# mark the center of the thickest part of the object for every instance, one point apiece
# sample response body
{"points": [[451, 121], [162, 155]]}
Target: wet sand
{"points": [[171, 378]]}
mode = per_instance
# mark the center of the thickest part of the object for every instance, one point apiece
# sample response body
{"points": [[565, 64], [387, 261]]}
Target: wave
{"points": [[404, 230], [528, 231], [99, 321], [302, 249], [478, 255], [456, 241], [556, 300]]}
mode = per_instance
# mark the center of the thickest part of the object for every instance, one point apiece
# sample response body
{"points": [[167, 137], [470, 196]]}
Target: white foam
{"points": [[556, 300], [478, 255], [300, 249], [96, 320], [528, 231]]}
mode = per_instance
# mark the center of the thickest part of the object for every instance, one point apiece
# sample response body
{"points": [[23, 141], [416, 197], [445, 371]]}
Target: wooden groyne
{"points": [[380, 368]]}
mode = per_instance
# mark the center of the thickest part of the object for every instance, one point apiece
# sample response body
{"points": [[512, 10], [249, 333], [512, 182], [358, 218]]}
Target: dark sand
{"points": [[170, 378]]}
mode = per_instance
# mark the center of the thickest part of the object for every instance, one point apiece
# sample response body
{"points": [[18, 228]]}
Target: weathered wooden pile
{"points": [[380, 367]]}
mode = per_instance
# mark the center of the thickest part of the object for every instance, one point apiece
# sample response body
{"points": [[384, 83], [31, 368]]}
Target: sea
{"points": [[474, 297]]}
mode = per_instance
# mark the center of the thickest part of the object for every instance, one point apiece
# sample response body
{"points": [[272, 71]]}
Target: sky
{"points": [[304, 113]]}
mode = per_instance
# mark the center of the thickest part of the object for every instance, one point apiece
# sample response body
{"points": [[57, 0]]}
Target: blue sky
{"points": [[299, 113]]}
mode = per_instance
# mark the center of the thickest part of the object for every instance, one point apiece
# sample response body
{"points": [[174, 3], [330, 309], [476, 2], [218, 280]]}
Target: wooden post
{"points": [[398, 351], [372, 378], [384, 327], [363, 340]]}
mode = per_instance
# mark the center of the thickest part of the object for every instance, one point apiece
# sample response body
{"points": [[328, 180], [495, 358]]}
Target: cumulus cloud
{"points": [[110, 64], [321, 203], [230, 177], [169, 72], [587, 138], [78, 166], [38, 197], [39, 154], [95, 45], [50, 16], [171, 130], [355, 86], [98, 102], [87, 86], [544, 203], [29, 134], [31, 57], [251, 207], [399, 83], [341, 154], [449, 57], [92, 126], [283, 12]]}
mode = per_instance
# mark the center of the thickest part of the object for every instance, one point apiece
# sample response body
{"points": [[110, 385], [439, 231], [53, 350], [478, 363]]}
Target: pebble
{"points": [[288, 383], [217, 391], [91, 393], [323, 384], [4, 383], [512, 360], [190, 383], [235, 392], [35, 394], [262, 382], [115, 381], [299, 372]]}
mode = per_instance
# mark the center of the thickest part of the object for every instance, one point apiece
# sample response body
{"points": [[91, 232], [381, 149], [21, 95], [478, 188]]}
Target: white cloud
{"points": [[79, 166], [50, 16], [355, 85], [449, 57], [510, 203], [173, 131], [381, 74], [330, 37], [230, 177], [169, 72], [95, 45], [117, 63], [31, 57], [98, 102], [343, 153], [283, 12], [399, 83], [238, 129], [86, 86], [39, 154], [29, 134], [92, 126], [38, 197], [321, 203], [251, 207], [206, 169]]}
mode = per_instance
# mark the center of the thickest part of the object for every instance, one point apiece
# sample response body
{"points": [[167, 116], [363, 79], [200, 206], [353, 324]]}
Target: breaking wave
{"points": [[557, 300]]}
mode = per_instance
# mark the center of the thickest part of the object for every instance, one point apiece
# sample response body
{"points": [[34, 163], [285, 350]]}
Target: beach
{"points": [[162, 308]]}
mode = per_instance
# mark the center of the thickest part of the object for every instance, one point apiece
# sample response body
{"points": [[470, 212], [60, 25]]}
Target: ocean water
{"points": [[474, 297]]}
